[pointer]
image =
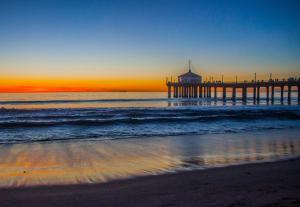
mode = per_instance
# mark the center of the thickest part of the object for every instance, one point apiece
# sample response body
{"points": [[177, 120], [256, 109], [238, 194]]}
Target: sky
{"points": [[62, 45]]}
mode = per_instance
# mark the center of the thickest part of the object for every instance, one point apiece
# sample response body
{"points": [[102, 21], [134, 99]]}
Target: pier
{"points": [[190, 85], [204, 90]]}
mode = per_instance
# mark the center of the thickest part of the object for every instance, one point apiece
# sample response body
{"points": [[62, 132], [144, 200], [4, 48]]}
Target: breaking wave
{"points": [[31, 125]]}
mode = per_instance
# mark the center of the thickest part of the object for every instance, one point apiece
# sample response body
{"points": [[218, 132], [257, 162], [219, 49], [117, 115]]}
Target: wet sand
{"points": [[81, 162], [261, 184]]}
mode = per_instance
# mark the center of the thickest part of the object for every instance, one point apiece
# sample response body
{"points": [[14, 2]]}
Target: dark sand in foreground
{"points": [[264, 184]]}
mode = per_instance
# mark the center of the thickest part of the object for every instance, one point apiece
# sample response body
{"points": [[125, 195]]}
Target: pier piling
{"points": [[200, 90], [281, 93], [215, 93], [268, 94], [233, 93], [258, 94], [298, 94], [272, 94], [224, 93], [244, 94], [289, 93]]}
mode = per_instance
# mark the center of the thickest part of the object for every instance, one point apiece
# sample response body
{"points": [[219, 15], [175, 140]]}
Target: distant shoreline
{"points": [[270, 183]]}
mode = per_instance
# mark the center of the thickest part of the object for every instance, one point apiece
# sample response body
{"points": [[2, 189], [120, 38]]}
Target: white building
{"points": [[189, 77]]}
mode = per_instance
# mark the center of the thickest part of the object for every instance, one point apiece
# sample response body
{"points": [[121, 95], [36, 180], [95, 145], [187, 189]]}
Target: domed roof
{"points": [[190, 74]]}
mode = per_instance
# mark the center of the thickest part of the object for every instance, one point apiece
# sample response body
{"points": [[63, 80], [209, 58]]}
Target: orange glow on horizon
{"points": [[15, 84], [81, 85]]}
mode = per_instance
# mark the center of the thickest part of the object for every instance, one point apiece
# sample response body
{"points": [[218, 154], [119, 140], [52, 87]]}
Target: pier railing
{"points": [[204, 90]]}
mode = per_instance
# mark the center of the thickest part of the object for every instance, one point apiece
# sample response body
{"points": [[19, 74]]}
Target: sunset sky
{"points": [[123, 45]]}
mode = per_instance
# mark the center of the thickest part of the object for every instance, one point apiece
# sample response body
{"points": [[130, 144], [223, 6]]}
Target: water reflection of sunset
{"points": [[101, 161], [81, 162]]}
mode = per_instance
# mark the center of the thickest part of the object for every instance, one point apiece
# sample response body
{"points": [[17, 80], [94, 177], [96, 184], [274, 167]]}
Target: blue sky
{"points": [[141, 39]]}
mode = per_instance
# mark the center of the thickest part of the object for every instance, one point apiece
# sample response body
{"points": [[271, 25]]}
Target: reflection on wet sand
{"points": [[101, 161], [80, 162]]}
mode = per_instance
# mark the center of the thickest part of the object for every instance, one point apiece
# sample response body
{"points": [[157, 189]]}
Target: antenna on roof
{"points": [[190, 65]]}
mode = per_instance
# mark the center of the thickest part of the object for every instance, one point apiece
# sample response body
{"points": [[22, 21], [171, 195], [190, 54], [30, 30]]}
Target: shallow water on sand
{"points": [[72, 162]]}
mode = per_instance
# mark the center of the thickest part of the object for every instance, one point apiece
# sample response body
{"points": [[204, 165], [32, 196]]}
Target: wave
{"points": [[112, 100], [183, 108], [138, 134], [15, 118], [38, 125]]}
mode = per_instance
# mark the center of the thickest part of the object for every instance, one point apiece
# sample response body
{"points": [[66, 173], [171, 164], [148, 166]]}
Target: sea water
{"points": [[62, 138]]}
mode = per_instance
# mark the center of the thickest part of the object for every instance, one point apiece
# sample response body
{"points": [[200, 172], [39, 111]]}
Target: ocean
{"points": [[62, 138]]}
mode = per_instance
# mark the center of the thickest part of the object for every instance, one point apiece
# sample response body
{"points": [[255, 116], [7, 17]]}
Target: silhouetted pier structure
{"points": [[204, 90], [190, 85]]}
